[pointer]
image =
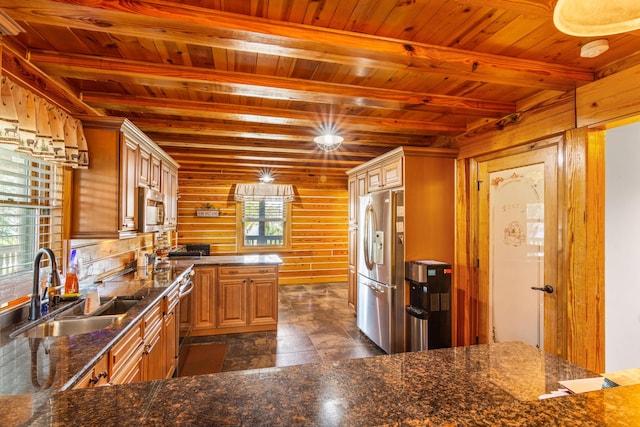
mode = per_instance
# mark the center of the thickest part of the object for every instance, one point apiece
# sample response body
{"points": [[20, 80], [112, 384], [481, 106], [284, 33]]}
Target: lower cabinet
{"points": [[97, 376], [126, 357], [203, 303], [234, 299], [153, 355]]}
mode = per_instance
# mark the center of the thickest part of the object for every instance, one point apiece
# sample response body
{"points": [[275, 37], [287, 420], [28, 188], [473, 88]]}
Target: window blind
{"points": [[272, 210], [30, 211]]}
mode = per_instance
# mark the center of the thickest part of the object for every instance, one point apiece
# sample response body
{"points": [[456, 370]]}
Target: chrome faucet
{"points": [[35, 309]]}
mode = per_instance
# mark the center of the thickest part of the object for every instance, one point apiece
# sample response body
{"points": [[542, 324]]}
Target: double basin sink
{"points": [[73, 321]]}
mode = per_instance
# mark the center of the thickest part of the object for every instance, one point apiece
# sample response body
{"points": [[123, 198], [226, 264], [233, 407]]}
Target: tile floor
{"points": [[315, 324]]}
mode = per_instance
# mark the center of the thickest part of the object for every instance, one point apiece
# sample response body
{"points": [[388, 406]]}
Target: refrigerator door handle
{"points": [[369, 221]]}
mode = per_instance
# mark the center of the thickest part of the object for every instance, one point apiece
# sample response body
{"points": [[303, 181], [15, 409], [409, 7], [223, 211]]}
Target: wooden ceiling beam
{"points": [[249, 131], [259, 86], [259, 115], [207, 27]]}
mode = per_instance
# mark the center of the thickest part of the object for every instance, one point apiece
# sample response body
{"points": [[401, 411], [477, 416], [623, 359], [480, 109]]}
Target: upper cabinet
{"points": [[104, 197]]}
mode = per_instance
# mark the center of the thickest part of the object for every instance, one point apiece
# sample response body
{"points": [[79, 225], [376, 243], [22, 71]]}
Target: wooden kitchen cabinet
{"points": [[153, 356], [97, 376], [144, 167], [155, 175], [232, 302], [263, 297], [170, 331], [233, 299], [125, 358], [104, 197], [357, 188], [247, 296], [204, 300], [385, 174], [169, 187]]}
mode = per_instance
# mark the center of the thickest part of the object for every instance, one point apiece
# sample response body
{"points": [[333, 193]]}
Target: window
{"points": [[263, 225], [30, 218]]}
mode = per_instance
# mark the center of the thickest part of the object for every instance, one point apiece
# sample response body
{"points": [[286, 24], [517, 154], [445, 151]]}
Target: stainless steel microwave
{"points": [[151, 209]]}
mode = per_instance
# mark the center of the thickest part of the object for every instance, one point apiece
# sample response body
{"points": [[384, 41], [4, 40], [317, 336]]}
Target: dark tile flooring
{"points": [[314, 325]]}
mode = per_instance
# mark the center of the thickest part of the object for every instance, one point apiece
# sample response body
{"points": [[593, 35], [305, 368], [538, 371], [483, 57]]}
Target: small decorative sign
{"points": [[208, 211]]}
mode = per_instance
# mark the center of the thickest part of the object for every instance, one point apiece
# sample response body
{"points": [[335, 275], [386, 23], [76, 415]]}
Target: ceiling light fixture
{"points": [[589, 18], [328, 142], [594, 48], [266, 177]]}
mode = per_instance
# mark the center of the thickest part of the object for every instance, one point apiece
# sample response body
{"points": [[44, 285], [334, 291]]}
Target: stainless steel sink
{"points": [[108, 307], [70, 326], [115, 306]]}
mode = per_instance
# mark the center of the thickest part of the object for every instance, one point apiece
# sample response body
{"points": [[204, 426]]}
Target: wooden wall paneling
{"points": [[319, 221], [584, 252], [552, 117], [611, 98]]}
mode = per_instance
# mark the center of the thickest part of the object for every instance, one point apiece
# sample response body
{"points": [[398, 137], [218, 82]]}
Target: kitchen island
{"points": [[495, 385]]}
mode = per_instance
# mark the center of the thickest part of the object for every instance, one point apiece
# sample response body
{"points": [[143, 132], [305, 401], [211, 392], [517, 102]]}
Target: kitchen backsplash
{"points": [[96, 259]]}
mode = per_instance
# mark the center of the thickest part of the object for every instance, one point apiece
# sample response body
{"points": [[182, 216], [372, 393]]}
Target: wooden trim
{"points": [[585, 250]]}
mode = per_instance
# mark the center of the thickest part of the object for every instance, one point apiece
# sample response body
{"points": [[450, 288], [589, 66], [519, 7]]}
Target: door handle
{"points": [[548, 289]]}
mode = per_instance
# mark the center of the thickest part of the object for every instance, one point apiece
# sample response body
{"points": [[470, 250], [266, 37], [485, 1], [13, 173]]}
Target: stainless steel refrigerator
{"points": [[381, 313]]}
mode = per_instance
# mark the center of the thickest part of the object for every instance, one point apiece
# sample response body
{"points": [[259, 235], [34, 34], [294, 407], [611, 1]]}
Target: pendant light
{"points": [[589, 18]]}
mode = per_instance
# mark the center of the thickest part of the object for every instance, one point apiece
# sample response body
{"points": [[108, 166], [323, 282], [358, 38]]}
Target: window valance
{"points": [[260, 192], [37, 127]]}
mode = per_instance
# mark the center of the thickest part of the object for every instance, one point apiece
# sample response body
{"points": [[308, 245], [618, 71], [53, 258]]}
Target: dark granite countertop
{"points": [[33, 369], [493, 385]]}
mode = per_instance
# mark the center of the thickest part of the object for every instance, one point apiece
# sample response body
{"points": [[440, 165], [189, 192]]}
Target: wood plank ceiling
{"points": [[247, 84]]}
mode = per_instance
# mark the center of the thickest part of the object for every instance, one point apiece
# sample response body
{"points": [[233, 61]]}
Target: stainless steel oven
{"points": [[151, 210]]}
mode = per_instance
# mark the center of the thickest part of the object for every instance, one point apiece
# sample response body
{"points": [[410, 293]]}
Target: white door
{"points": [[517, 254], [517, 248]]}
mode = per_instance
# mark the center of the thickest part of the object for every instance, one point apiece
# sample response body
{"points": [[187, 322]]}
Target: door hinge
{"points": [[478, 184], [477, 263]]}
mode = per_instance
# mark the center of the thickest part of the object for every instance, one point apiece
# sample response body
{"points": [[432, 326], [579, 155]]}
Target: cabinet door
{"points": [[170, 191], [352, 296], [97, 376], [144, 168], [263, 300], [204, 298], [154, 173], [374, 178], [392, 173], [129, 185], [353, 200], [232, 302], [153, 357], [126, 357]]}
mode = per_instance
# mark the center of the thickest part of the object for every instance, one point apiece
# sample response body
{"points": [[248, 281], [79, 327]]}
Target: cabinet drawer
{"points": [[171, 300], [152, 320], [247, 271], [126, 347], [97, 376]]}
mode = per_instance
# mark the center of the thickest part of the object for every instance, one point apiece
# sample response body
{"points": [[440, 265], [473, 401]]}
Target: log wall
{"points": [[318, 252]]}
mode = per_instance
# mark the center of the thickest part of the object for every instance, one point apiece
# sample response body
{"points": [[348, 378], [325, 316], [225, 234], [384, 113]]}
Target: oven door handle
{"points": [[185, 289]]}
